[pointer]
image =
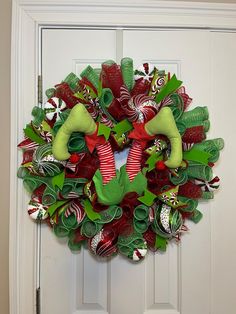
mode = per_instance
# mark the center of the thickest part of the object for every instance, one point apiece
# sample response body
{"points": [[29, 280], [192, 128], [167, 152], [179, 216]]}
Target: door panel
{"points": [[185, 53], [183, 280], [72, 283]]}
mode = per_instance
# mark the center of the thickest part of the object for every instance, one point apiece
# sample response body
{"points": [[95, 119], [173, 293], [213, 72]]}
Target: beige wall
{"points": [[5, 33], [5, 29]]}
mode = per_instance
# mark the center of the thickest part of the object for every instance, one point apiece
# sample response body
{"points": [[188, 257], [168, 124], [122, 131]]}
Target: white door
{"points": [[196, 276]]}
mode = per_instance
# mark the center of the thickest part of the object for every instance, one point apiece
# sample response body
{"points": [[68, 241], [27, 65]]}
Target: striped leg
{"points": [[107, 162], [133, 166]]}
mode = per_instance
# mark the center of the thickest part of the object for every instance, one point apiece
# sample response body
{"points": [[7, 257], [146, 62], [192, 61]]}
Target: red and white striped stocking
{"points": [[107, 162], [133, 166]]}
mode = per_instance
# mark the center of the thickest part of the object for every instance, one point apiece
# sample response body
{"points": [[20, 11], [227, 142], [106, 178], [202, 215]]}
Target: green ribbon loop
{"points": [[69, 222], [191, 204], [140, 226], [89, 228], [107, 215], [73, 185], [77, 143], [141, 212]]}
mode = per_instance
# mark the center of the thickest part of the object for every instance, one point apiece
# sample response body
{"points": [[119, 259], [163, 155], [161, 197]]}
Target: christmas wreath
{"points": [[70, 171]]}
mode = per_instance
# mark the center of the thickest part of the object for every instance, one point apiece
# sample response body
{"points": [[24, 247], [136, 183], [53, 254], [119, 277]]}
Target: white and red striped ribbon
{"points": [[107, 162], [133, 166], [77, 209]]}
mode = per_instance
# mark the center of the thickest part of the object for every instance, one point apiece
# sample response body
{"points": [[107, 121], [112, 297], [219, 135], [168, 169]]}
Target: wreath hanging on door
{"points": [[69, 167]]}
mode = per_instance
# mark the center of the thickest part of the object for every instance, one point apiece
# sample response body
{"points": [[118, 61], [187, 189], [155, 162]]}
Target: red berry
{"points": [[74, 158], [160, 165]]}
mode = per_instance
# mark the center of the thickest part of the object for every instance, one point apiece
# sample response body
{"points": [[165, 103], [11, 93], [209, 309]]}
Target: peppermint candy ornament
{"points": [[139, 253], [209, 186], [37, 211], [145, 71], [139, 108], [53, 107]]}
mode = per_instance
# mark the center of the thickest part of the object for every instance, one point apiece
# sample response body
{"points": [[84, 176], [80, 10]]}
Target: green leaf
{"points": [[172, 85], [148, 198], [122, 127], [58, 180], [55, 206], [29, 132], [161, 243], [104, 130], [152, 160], [197, 155], [92, 215]]}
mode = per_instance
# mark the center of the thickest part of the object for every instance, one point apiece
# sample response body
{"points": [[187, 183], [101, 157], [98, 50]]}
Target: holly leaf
{"points": [[55, 206], [160, 243], [172, 85], [29, 132], [58, 180], [104, 130], [88, 208], [122, 127], [148, 198], [152, 160], [197, 155]]}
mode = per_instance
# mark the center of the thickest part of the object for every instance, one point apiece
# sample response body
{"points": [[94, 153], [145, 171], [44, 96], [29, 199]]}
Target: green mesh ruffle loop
{"points": [[197, 114], [141, 223], [127, 244], [191, 204], [199, 171], [90, 74], [211, 146], [72, 80], [89, 228], [127, 72], [75, 186]]}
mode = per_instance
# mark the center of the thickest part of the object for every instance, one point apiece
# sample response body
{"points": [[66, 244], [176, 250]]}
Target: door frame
{"points": [[29, 17]]}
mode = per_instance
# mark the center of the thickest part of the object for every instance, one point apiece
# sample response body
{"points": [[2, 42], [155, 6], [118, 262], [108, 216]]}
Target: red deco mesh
{"points": [[194, 134], [190, 190], [64, 92], [112, 78], [141, 86]]}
